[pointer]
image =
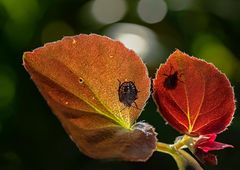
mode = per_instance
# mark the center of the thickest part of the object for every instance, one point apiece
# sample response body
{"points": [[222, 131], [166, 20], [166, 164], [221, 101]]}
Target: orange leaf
{"points": [[79, 77], [193, 95]]}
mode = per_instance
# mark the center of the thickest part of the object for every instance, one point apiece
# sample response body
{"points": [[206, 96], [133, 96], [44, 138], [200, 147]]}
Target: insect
{"points": [[127, 93], [171, 81]]}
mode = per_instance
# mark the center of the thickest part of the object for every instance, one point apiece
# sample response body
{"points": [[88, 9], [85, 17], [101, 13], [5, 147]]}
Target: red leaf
{"points": [[193, 96], [79, 77], [207, 143]]}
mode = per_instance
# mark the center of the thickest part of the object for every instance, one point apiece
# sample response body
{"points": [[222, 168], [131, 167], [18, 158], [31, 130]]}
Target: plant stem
{"points": [[181, 157], [184, 141], [165, 148], [191, 160]]}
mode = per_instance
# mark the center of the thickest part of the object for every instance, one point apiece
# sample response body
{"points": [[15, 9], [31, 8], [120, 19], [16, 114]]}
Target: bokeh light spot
{"points": [[152, 11], [55, 31], [140, 39], [109, 11], [132, 41]]}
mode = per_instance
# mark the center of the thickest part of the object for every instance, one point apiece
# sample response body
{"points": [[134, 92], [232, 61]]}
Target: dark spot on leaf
{"points": [[81, 81]]}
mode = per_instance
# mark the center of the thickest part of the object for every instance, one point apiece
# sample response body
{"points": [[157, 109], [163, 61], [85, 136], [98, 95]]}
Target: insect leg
{"points": [[135, 106]]}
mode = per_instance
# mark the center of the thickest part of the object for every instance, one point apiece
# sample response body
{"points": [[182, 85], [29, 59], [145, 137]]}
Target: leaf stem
{"points": [[181, 157], [168, 149], [190, 160], [184, 141]]}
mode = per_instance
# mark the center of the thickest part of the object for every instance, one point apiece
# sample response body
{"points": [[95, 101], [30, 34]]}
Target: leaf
{"points": [[205, 144], [193, 96], [79, 77]]}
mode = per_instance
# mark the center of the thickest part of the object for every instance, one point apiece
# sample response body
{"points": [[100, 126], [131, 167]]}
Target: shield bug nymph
{"points": [[127, 93], [171, 81]]}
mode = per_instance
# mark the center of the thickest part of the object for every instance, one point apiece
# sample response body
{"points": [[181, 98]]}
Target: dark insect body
{"points": [[171, 81], [127, 93]]}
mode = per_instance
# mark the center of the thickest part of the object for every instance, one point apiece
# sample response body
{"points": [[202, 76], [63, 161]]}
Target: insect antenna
{"points": [[119, 82]]}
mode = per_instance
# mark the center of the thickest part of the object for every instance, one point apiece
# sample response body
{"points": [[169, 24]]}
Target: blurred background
{"points": [[30, 135]]}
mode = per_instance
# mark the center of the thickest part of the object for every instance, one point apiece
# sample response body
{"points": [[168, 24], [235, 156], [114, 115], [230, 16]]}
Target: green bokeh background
{"points": [[30, 135]]}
